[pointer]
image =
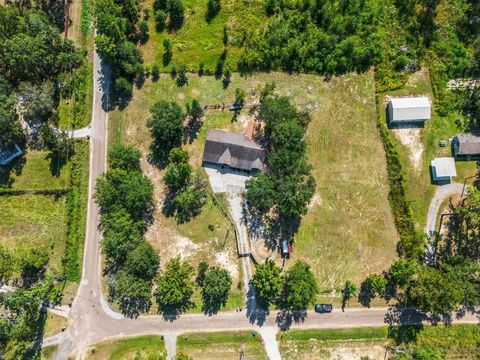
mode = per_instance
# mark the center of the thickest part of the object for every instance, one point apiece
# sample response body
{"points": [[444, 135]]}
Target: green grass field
{"points": [[221, 345], [33, 172], [455, 341], [35, 221], [419, 187], [349, 230], [127, 349], [200, 42], [48, 352]]}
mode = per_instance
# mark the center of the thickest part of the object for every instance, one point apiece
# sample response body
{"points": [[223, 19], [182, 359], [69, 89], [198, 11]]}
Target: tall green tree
{"points": [[215, 289], [166, 128], [175, 287], [267, 282], [299, 289], [130, 190], [132, 294], [124, 157]]}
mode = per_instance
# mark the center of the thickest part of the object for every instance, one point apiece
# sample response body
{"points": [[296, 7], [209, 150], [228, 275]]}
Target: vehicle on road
{"points": [[323, 308]]}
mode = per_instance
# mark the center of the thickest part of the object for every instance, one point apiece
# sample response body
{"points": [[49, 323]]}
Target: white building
{"points": [[409, 109], [443, 169]]}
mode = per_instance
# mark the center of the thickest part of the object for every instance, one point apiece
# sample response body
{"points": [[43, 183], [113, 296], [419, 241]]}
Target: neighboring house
{"points": [[8, 154], [466, 146], [443, 169], [409, 110], [233, 150]]}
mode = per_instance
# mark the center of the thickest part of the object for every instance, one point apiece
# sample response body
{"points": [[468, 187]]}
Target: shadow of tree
{"points": [[6, 172]]}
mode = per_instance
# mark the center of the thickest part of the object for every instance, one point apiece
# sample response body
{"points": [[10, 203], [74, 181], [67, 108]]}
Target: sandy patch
{"points": [[412, 140], [243, 120], [316, 200], [356, 353], [224, 260]]}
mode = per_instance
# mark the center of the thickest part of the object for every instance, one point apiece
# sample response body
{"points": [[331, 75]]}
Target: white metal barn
{"points": [[409, 109], [443, 169]]}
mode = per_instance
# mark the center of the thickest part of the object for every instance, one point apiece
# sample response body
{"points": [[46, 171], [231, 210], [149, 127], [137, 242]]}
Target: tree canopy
{"points": [[166, 127], [299, 289], [175, 287], [267, 282], [215, 289]]}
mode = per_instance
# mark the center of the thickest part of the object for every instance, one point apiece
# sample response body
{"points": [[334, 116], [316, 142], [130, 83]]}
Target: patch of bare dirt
{"points": [[316, 200], [224, 260], [356, 353], [412, 140]]}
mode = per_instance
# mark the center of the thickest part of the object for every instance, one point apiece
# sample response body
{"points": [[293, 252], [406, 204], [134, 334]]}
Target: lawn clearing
{"points": [[33, 172], [333, 344], [200, 42], [221, 345], [127, 349], [54, 324], [349, 230], [35, 221], [417, 147]]}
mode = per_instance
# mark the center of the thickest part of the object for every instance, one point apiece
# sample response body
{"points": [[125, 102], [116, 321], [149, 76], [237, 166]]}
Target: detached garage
{"points": [[409, 109]]}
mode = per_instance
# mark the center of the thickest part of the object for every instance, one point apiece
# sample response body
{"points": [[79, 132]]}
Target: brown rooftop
{"points": [[233, 150]]}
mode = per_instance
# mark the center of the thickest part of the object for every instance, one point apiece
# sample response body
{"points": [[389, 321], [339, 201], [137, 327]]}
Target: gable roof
{"points": [[410, 108], [234, 150], [466, 144]]}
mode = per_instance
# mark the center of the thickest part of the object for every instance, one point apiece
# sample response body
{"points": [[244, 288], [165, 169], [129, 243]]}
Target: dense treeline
{"points": [[119, 29], [124, 195], [324, 36], [287, 186], [32, 58]]}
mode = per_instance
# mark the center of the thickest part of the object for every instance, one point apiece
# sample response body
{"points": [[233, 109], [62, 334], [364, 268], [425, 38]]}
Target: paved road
{"points": [[442, 193]]}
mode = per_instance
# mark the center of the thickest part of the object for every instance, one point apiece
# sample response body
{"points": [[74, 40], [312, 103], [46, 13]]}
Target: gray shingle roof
{"points": [[234, 150], [466, 144]]}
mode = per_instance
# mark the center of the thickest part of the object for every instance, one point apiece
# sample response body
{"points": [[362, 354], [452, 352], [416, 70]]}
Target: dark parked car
{"points": [[323, 308]]}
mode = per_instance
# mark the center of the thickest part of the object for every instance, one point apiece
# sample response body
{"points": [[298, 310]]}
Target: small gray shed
{"points": [[409, 109], [233, 150], [466, 146]]}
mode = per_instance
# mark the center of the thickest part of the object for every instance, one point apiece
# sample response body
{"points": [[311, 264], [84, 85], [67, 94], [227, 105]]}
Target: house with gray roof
{"points": [[233, 150], [466, 146]]}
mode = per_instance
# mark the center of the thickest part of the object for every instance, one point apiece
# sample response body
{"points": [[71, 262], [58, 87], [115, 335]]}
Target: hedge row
{"points": [[411, 244], [76, 200]]}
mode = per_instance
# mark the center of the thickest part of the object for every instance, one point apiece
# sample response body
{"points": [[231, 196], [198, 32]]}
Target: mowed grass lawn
{"points": [[127, 349], [33, 172], [201, 42], [333, 343], [35, 221], [222, 345], [349, 230], [420, 190]]}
